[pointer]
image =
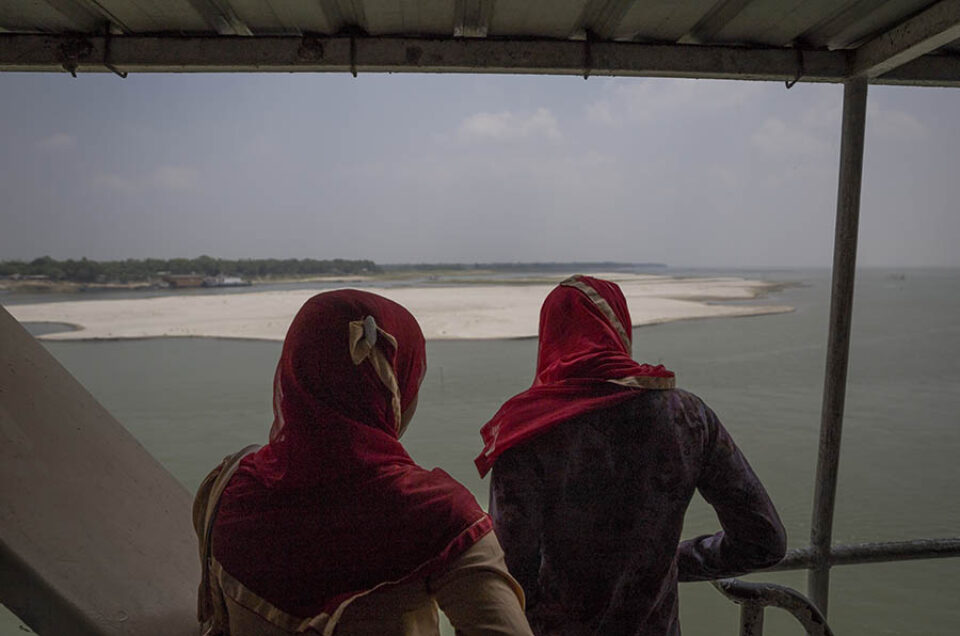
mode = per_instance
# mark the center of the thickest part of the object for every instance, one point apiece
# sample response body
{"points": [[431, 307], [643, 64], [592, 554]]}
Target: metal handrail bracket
{"points": [[754, 597]]}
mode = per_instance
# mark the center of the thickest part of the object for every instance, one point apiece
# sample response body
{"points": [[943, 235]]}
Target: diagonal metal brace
{"points": [[800, 71]]}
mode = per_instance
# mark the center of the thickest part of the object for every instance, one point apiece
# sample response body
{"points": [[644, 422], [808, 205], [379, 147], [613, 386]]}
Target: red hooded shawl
{"points": [[334, 506], [583, 365]]}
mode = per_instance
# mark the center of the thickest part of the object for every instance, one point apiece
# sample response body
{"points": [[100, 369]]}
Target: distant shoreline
{"points": [[469, 310], [72, 287], [48, 275]]}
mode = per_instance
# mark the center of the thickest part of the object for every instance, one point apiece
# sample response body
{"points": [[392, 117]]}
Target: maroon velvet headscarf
{"points": [[334, 506], [583, 365]]}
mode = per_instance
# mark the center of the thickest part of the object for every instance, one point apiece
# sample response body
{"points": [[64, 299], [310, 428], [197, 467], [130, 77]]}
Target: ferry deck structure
{"points": [[116, 554]]}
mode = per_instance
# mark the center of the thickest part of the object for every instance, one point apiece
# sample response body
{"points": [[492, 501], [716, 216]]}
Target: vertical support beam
{"points": [[838, 345], [751, 619]]}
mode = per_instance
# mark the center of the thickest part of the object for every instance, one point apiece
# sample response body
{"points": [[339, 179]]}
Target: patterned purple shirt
{"points": [[590, 514]]}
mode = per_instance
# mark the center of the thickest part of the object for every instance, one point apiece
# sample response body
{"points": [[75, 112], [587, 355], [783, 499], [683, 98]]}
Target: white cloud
{"points": [[508, 126], [115, 183], [602, 112], [778, 138], [174, 178], [824, 115], [647, 100], [894, 125], [725, 177], [57, 142], [816, 132], [163, 178]]}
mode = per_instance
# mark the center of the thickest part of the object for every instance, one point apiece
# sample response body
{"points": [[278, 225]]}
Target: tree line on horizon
{"points": [[136, 270], [522, 266]]}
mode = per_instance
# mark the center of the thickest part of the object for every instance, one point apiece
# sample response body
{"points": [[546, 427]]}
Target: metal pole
{"points": [[751, 619], [881, 552], [838, 345]]}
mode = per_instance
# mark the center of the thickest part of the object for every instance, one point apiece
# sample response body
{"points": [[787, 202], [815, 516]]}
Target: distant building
{"points": [[225, 281], [184, 280]]}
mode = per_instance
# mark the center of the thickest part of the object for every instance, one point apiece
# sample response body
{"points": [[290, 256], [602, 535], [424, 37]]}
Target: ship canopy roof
{"points": [[913, 42]]}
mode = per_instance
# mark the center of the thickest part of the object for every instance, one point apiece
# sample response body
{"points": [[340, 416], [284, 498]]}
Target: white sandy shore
{"points": [[445, 312]]}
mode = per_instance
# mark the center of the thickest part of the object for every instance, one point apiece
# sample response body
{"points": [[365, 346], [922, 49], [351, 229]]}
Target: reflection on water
{"points": [[191, 402]]}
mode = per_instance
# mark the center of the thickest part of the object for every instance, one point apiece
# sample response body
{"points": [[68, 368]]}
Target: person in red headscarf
{"points": [[331, 528], [593, 469]]}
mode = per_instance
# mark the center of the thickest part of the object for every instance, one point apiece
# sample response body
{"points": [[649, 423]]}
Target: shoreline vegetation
{"points": [[48, 275]]}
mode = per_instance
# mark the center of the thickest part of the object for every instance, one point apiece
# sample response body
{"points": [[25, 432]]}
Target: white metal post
{"points": [[838, 345]]}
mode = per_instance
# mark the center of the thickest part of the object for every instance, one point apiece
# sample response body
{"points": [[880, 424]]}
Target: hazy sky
{"points": [[416, 168]]}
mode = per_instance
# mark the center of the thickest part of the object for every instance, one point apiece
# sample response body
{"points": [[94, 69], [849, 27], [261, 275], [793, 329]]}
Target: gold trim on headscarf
{"points": [[209, 612], [363, 338], [242, 595], [646, 382], [638, 381], [603, 305]]}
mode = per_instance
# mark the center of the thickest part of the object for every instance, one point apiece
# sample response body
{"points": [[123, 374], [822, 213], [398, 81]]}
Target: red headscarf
{"points": [[334, 506], [583, 365]]}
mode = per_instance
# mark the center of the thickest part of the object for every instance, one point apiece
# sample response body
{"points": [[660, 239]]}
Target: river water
{"points": [[192, 401]]}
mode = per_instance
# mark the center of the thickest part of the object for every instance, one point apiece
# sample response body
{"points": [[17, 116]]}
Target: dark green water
{"points": [[192, 401]]}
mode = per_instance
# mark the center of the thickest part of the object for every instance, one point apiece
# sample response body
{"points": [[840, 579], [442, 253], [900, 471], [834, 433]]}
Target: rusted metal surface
{"points": [[838, 345], [756, 596], [753, 597]]}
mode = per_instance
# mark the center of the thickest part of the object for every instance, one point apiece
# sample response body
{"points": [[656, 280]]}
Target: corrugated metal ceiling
{"points": [[818, 23]]}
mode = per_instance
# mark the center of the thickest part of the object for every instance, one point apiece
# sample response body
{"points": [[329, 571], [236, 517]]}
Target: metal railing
{"points": [[881, 552], [754, 597]]}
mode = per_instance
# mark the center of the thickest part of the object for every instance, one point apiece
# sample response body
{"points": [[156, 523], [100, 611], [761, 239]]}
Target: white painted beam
{"points": [[87, 15], [167, 54], [838, 341], [929, 70], [827, 32], [472, 18], [921, 34], [344, 14], [221, 17], [603, 17], [713, 22]]}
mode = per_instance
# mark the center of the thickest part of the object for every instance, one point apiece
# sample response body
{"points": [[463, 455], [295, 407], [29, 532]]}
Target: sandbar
{"points": [[445, 312]]}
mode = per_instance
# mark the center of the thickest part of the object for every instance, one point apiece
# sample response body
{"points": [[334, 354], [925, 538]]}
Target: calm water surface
{"points": [[192, 401]]}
